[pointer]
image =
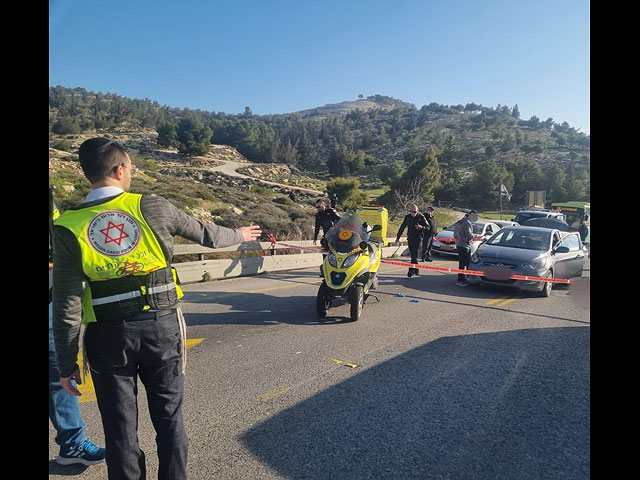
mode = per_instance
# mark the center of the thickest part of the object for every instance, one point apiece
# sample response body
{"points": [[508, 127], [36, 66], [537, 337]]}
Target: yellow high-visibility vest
{"points": [[119, 249]]}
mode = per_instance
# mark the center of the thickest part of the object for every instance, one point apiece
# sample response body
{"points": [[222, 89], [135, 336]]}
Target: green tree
{"points": [[483, 189], [66, 126], [348, 192], [193, 137], [391, 173], [426, 170], [167, 134]]}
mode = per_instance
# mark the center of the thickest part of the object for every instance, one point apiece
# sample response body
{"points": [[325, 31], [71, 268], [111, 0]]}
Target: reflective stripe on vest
{"points": [[116, 298]]}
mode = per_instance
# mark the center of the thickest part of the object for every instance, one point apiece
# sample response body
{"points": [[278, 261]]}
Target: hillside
{"points": [[192, 185], [346, 107], [462, 152]]}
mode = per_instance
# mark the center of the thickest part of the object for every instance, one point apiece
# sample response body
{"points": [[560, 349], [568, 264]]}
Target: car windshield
{"points": [[347, 234], [526, 239], [524, 216]]}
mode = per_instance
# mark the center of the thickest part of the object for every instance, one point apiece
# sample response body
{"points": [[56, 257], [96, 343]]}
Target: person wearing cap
{"points": [[428, 235], [415, 223], [463, 233]]}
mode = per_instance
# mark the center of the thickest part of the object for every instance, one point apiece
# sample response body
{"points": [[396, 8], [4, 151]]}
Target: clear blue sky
{"points": [[279, 56]]}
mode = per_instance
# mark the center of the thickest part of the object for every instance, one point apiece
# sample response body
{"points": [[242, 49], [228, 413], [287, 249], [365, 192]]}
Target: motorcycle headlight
{"points": [[536, 264], [350, 260], [333, 261]]}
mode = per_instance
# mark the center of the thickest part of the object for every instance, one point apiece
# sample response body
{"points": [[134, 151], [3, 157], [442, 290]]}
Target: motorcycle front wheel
{"points": [[357, 301], [323, 301]]}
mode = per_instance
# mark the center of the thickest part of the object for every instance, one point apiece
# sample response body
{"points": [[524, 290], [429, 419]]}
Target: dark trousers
{"points": [[426, 247], [464, 260], [414, 247], [119, 352]]}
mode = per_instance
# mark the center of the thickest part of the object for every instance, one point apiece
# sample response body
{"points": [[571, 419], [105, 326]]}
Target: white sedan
{"points": [[445, 243]]}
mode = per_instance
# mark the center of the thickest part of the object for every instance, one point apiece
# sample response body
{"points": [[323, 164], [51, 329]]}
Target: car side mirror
{"points": [[561, 250], [377, 228]]}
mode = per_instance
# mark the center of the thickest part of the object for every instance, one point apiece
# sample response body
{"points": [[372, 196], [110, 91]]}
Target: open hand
{"points": [[250, 233]]}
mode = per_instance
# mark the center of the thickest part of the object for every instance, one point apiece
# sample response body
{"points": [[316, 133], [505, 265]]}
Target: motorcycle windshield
{"points": [[347, 234]]}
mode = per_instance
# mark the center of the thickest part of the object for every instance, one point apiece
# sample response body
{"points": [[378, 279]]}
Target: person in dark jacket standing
{"points": [[463, 233], [325, 219], [428, 235], [121, 244], [415, 223]]}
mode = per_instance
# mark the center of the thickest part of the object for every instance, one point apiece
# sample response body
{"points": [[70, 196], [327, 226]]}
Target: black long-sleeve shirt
{"points": [[325, 220], [410, 223]]}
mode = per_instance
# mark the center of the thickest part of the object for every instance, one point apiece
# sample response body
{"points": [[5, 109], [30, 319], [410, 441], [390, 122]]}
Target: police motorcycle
{"points": [[350, 268]]}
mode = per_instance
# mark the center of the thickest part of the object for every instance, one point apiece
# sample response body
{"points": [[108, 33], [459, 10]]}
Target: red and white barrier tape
{"points": [[478, 273]]}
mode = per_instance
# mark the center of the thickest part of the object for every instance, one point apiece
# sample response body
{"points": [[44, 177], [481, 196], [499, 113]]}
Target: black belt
{"points": [[141, 316], [150, 315]]}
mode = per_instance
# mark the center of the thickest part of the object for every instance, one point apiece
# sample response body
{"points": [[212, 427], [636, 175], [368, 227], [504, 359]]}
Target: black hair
{"points": [[99, 156]]}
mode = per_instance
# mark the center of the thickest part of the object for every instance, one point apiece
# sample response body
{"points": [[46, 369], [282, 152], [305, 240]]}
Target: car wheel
{"points": [[546, 289]]}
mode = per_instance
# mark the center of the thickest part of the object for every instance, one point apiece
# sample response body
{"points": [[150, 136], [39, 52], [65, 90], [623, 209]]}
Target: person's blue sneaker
{"points": [[86, 454]]}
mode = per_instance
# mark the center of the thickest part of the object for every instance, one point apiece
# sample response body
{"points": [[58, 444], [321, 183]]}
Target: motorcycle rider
{"points": [[326, 217], [416, 223]]}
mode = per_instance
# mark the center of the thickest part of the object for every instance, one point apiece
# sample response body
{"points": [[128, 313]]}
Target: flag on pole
{"points": [[503, 191]]}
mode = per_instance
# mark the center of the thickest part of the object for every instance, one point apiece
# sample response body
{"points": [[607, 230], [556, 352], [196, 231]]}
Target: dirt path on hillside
{"points": [[228, 167]]}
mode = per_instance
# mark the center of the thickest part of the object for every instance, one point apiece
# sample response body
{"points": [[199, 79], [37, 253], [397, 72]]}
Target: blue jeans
{"points": [[64, 409]]}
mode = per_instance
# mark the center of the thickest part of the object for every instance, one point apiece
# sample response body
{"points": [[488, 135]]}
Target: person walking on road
{"points": [[64, 409], [463, 233], [415, 223], [112, 272], [429, 233]]}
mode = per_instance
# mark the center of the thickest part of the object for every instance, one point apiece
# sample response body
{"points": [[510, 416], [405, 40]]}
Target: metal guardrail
{"points": [[268, 261]]}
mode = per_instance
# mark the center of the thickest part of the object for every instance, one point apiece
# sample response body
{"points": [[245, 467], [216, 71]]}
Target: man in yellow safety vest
{"points": [[112, 271]]}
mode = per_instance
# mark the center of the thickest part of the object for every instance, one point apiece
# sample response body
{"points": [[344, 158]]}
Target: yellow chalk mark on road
{"points": [[503, 301], [507, 302], [193, 341], [275, 392], [87, 389], [496, 300], [336, 361]]}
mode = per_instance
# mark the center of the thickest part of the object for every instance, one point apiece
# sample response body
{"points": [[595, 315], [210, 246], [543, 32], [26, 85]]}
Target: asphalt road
{"points": [[465, 383]]}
